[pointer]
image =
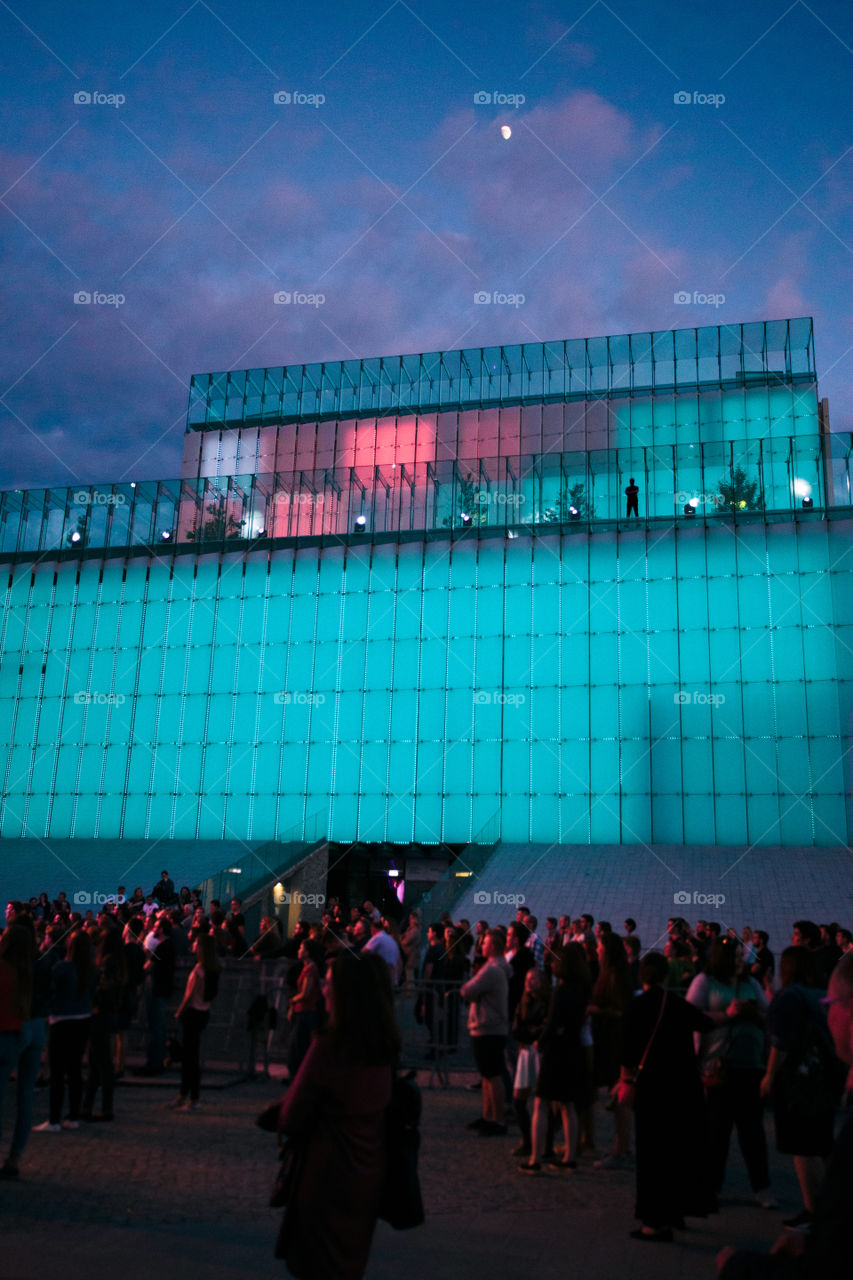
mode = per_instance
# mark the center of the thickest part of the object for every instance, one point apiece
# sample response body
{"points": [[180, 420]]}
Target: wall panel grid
{"points": [[692, 685]]}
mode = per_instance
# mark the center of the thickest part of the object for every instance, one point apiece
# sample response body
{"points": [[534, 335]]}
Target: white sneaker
{"points": [[47, 1127], [70, 1124]]}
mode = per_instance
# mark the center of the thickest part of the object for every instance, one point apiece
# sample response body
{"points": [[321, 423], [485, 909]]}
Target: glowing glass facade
{"points": [[479, 663]]}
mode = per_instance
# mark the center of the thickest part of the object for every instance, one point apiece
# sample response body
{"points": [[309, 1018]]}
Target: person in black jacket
{"points": [[106, 1006], [160, 967], [520, 959]]}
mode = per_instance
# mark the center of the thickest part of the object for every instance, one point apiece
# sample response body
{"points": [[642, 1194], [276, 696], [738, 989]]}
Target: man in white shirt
{"points": [[385, 946]]}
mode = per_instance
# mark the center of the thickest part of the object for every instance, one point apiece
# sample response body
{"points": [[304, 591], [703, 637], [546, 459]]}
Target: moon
{"points": [[506, 132]]}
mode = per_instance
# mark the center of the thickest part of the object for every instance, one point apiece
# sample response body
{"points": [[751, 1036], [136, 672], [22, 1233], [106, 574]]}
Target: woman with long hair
{"points": [[193, 1013], [563, 1075], [73, 982], [611, 996], [659, 1071], [306, 1004], [335, 1108], [528, 1025], [106, 1007]]}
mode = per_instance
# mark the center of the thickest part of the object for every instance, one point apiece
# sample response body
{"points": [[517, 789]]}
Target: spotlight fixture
{"points": [[76, 536], [690, 508], [465, 518], [574, 513], [262, 533], [807, 503], [165, 535], [360, 524]]}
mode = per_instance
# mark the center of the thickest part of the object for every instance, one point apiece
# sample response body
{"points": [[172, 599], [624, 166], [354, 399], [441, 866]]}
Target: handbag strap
{"points": [[654, 1033]]}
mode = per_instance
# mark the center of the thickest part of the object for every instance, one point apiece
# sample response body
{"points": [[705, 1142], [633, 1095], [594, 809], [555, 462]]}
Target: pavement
{"points": [[183, 1197]]}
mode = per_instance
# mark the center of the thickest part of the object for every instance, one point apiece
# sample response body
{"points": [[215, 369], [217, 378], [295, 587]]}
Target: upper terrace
{"points": [[720, 356]]}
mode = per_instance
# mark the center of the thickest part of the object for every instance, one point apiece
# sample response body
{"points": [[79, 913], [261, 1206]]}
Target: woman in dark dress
{"points": [[563, 1070], [336, 1106], [669, 1106]]}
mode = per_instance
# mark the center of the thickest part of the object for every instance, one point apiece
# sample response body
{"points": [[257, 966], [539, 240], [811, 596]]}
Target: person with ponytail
{"points": [[193, 1013]]}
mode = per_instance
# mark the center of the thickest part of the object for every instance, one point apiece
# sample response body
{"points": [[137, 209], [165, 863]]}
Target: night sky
{"points": [[185, 197]]}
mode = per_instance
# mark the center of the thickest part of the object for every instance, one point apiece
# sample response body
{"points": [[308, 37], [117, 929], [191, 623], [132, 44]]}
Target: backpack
{"points": [[402, 1205]]}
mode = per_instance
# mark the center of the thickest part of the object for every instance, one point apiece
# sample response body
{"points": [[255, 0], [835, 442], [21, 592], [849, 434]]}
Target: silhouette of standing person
{"points": [[631, 493]]}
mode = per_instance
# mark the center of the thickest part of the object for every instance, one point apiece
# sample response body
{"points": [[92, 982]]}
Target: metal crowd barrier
{"points": [[431, 1017]]}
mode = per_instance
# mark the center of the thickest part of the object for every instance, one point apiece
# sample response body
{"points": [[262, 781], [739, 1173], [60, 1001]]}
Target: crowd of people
{"points": [[72, 984], [682, 1047]]}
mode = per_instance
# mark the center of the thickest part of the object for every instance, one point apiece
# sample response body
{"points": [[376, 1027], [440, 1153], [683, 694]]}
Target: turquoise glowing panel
{"points": [[687, 685]]}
